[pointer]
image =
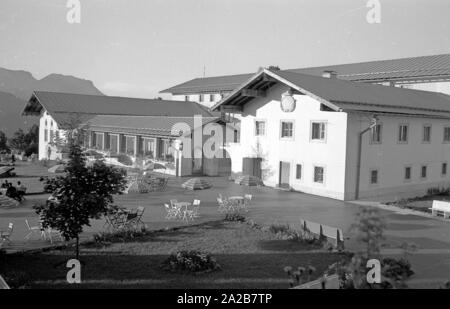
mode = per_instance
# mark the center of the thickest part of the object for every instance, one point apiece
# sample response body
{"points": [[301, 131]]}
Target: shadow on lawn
{"points": [[261, 270]]}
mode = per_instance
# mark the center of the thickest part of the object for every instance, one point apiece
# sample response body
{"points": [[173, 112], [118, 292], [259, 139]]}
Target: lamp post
{"points": [[374, 122]]}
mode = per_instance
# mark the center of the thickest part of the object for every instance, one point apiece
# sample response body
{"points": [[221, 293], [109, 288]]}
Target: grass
{"points": [[28, 174], [249, 257], [422, 203]]}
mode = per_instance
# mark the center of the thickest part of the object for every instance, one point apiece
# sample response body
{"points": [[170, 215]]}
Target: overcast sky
{"points": [[139, 47]]}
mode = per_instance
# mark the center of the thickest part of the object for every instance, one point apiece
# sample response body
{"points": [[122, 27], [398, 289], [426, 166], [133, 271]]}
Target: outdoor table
{"points": [[236, 200], [180, 205]]}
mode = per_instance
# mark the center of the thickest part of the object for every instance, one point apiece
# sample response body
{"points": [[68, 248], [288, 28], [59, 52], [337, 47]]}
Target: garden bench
{"points": [[324, 231], [327, 282], [441, 207]]}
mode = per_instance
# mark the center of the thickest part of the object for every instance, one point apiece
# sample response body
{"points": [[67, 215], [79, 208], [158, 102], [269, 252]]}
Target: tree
{"points": [[370, 227], [3, 142], [26, 142], [83, 193]]}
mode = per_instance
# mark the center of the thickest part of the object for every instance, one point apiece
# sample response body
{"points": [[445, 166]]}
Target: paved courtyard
{"points": [[431, 263]]}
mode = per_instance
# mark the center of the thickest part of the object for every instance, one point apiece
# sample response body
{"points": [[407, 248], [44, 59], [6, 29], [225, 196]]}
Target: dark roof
{"points": [[413, 68], [348, 96], [144, 125], [65, 106]]}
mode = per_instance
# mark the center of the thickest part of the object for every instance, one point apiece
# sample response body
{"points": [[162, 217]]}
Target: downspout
{"points": [[374, 121]]}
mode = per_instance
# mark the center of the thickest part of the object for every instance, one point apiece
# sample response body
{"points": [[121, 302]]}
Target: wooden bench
{"points": [[324, 231], [441, 207], [327, 282]]}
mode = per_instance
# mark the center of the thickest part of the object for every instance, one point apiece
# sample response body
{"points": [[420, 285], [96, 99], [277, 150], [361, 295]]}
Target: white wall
{"points": [[196, 98], [391, 158], [330, 154], [47, 122]]}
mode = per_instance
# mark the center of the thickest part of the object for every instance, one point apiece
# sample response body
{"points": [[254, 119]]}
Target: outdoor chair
{"points": [[5, 236], [171, 212], [195, 209], [35, 230], [140, 212], [223, 204], [53, 233]]}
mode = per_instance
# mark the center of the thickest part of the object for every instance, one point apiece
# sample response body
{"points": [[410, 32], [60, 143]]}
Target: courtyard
{"points": [[431, 262]]}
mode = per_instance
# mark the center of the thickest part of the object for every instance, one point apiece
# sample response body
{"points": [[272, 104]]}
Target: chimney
{"points": [[329, 74]]}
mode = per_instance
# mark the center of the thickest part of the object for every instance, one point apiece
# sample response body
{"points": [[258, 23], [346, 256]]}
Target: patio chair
{"points": [[37, 230], [223, 205], [171, 212], [195, 209], [140, 212], [51, 233], [5, 236]]}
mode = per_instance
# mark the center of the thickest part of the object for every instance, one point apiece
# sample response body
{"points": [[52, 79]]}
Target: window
{"points": [[236, 136], [318, 174], [298, 173], [287, 129], [444, 169], [423, 171], [376, 134], [130, 142], [114, 143], [211, 97], [374, 177], [318, 131], [260, 128], [403, 133], [408, 173], [51, 136], [45, 135], [426, 138], [149, 146], [186, 98], [99, 141], [202, 98], [447, 135]]}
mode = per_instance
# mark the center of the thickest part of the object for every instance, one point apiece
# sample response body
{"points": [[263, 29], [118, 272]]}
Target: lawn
{"points": [[29, 174], [249, 257], [422, 204]]}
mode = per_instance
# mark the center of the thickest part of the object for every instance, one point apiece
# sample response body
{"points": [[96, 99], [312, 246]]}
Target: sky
{"points": [[137, 48]]}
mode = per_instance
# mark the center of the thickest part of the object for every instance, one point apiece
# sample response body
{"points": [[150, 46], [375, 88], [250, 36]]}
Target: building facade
{"points": [[149, 130], [314, 147]]}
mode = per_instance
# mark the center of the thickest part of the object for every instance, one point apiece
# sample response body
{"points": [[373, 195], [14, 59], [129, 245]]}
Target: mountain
{"points": [[10, 118], [16, 88]]}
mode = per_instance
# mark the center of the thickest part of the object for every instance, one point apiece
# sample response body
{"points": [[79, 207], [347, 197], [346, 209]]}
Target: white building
{"points": [[137, 128], [431, 73], [315, 147]]}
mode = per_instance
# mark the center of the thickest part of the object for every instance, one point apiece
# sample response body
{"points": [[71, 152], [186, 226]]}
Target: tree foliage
{"points": [[81, 194], [3, 142], [25, 142]]}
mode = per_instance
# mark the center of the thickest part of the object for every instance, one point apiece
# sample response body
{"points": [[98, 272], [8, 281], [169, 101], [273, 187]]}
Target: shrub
{"points": [[286, 232], [120, 236], [234, 217], [125, 159], [398, 270], [17, 279], [300, 276], [190, 261]]}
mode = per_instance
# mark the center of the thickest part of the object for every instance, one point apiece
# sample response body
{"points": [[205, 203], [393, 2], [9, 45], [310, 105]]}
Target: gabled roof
{"points": [[144, 125], [65, 106], [340, 95], [404, 69]]}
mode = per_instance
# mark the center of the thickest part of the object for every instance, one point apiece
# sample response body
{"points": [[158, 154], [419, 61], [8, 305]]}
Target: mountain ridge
{"points": [[17, 86]]}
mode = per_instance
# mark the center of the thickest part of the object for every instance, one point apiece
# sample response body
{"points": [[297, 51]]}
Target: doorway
{"points": [[285, 169]]}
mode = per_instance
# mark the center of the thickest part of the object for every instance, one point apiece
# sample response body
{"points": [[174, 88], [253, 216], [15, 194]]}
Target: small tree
{"points": [[370, 227], [3, 142], [83, 193]]}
